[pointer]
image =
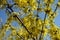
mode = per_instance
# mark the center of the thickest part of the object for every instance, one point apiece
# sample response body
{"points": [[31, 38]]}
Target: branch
{"points": [[20, 36], [22, 24], [38, 9], [43, 24], [56, 8], [10, 7]]}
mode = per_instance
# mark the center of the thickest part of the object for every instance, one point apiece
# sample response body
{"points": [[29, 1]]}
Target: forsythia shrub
{"points": [[31, 26]]}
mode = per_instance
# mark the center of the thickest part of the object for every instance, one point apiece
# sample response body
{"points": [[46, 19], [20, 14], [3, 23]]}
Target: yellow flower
{"points": [[4, 1], [16, 1], [33, 8], [22, 32], [52, 15], [35, 32], [25, 19], [26, 10], [45, 1], [47, 10], [22, 3], [27, 24], [39, 9], [33, 4], [39, 23], [54, 30], [6, 27], [26, 3], [13, 32], [58, 3], [30, 15], [44, 31], [57, 37], [46, 22], [41, 5], [9, 20], [50, 1], [2, 34]]}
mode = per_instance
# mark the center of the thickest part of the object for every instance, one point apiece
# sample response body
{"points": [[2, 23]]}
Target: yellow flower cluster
{"points": [[9, 20], [58, 4], [28, 19], [26, 3], [26, 10], [39, 23], [50, 1], [34, 26], [23, 32], [47, 10], [46, 22], [52, 15], [44, 31], [26, 22], [13, 33], [2, 34], [39, 9], [3, 2], [6, 26], [54, 30], [13, 30], [57, 37]]}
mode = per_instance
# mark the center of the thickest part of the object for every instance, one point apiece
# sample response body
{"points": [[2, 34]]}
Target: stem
{"points": [[20, 37], [43, 24], [37, 9], [10, 7], [56, 8], [22, 23]]}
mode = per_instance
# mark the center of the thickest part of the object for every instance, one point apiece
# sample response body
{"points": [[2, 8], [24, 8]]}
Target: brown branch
{"points": [[43, 24], [18, 19], [22, 23], [20, 36], [10, 7]]}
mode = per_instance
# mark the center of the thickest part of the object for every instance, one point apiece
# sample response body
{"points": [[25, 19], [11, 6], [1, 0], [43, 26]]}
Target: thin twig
{"points": [[37, 10], [22, 23], [56, 8], [10, 7], [43, 24]]}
